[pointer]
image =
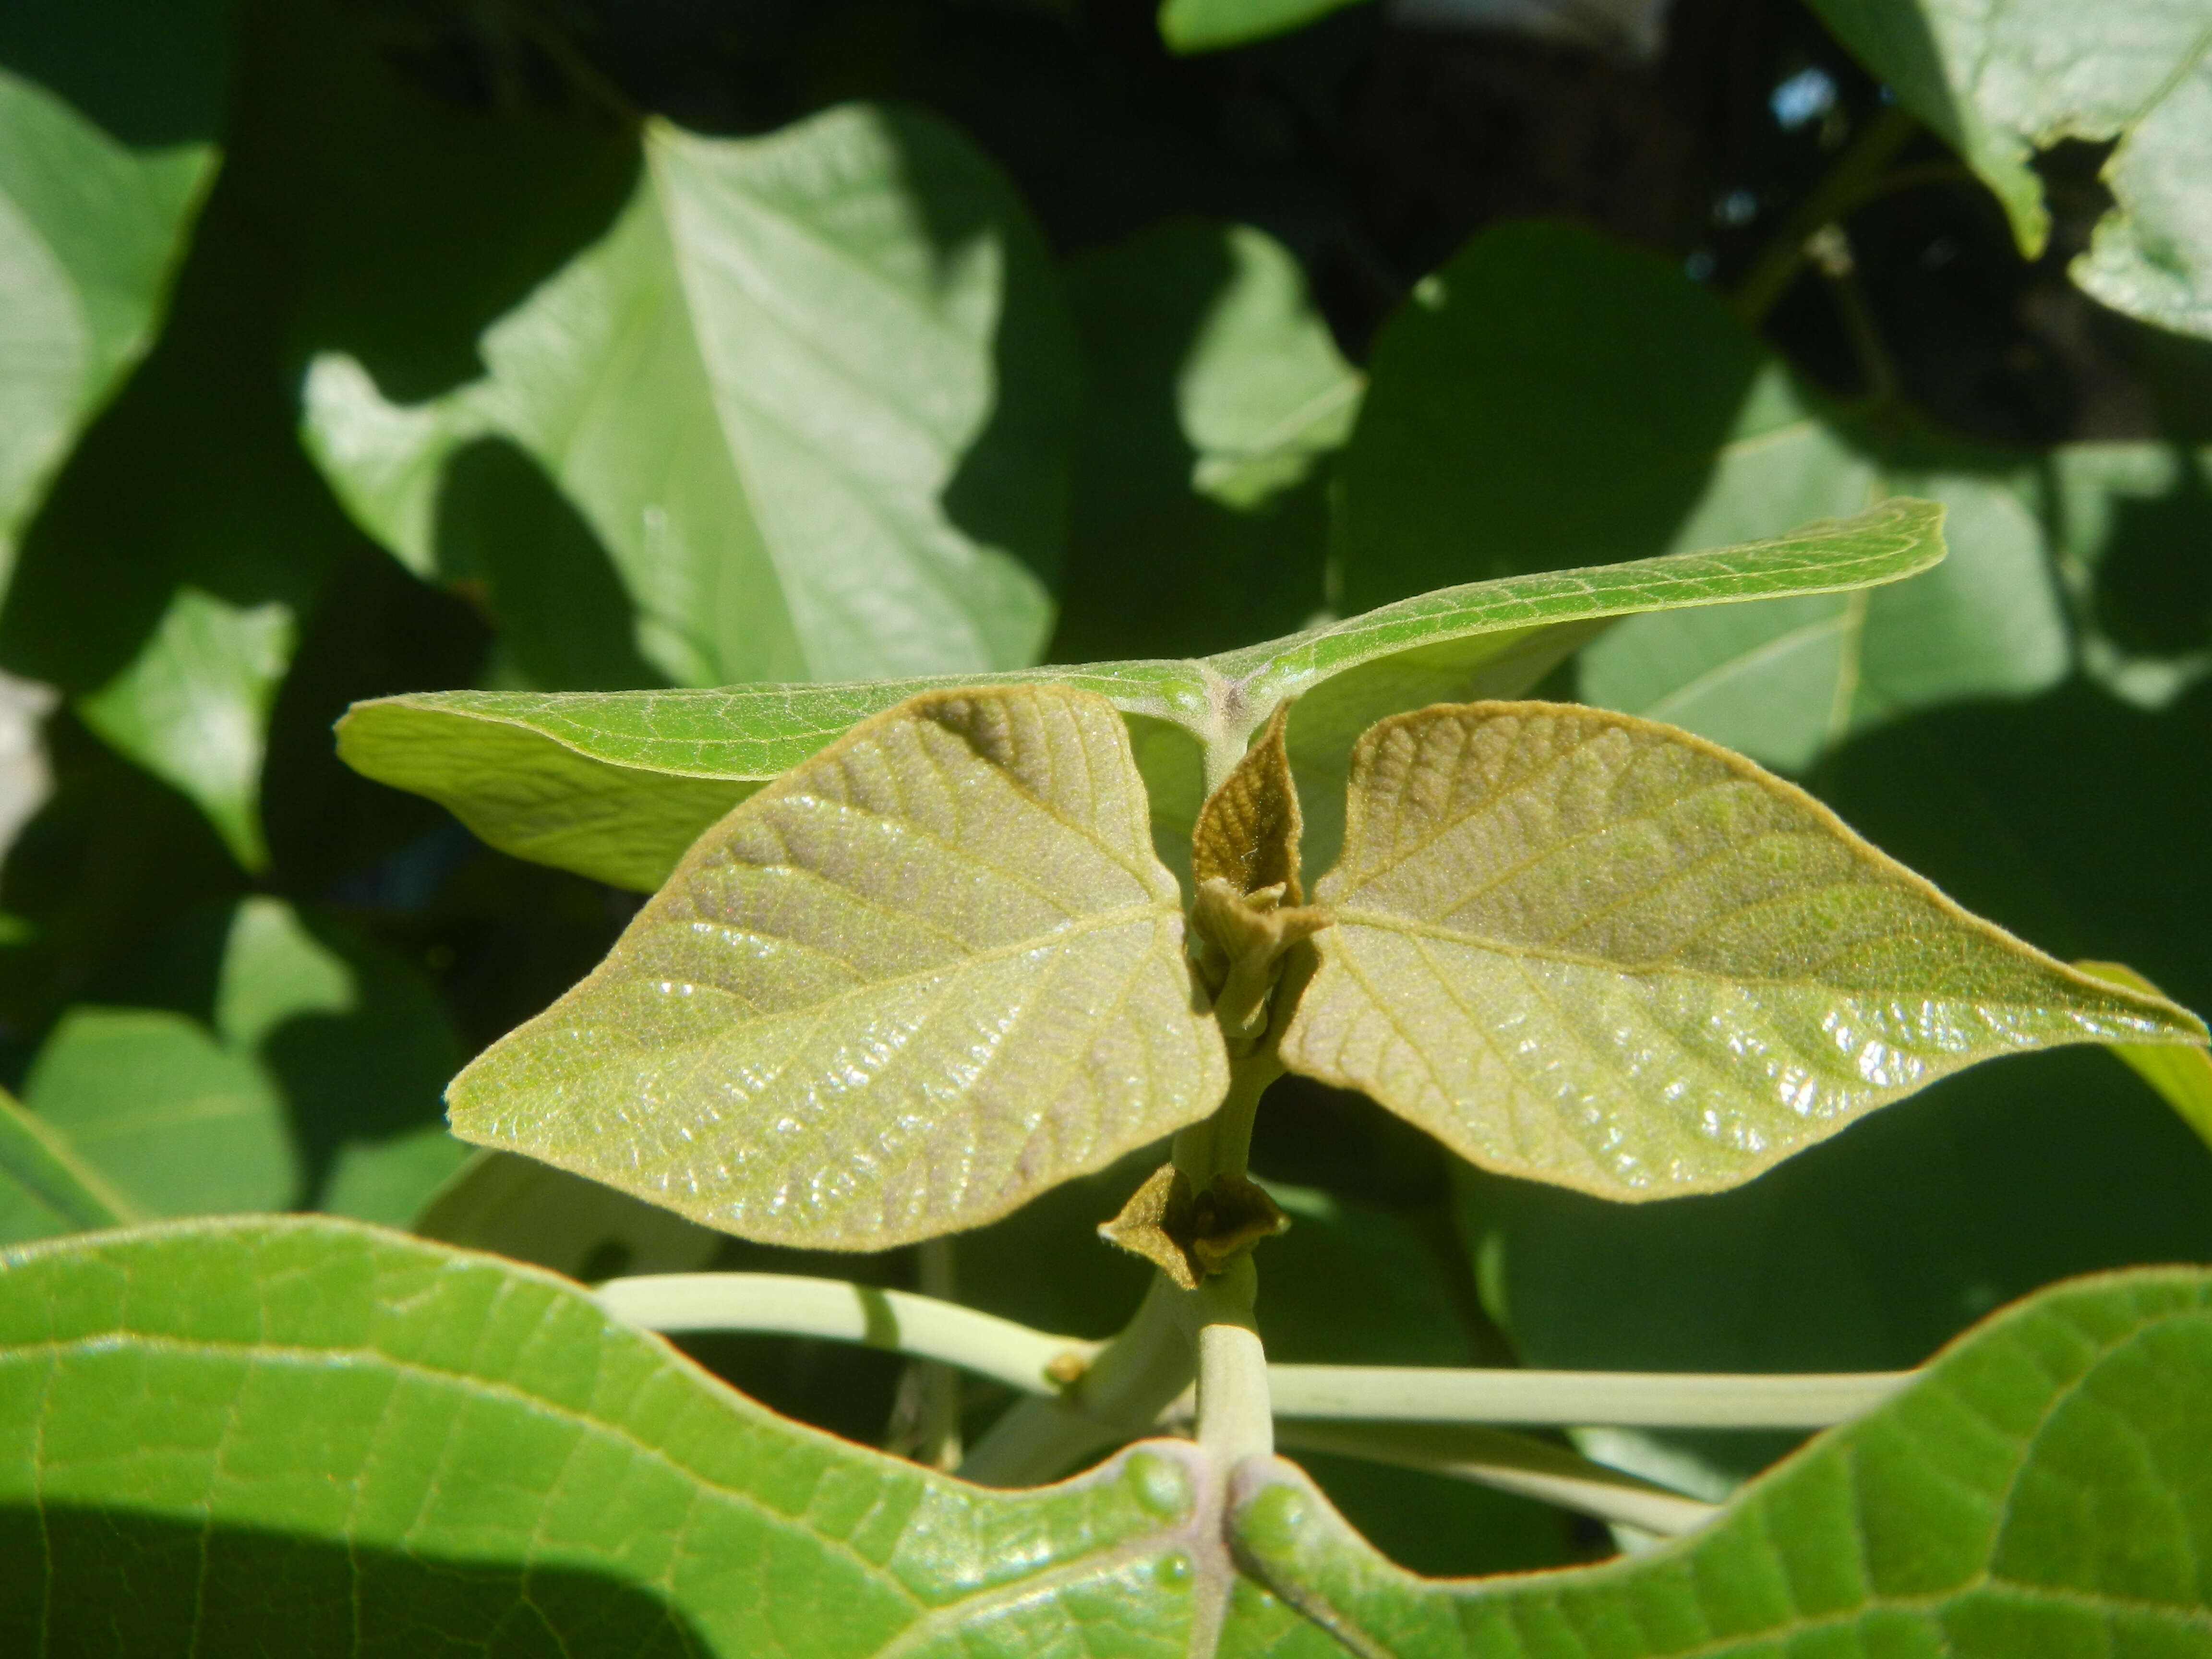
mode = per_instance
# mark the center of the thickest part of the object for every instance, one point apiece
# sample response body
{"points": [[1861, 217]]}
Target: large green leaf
{"points": [[2045, 1490], [1213, 393], [1623, 411], [309, 1435], [927, 974], [45, 1186], [2000, 83], [1598, 951], [98, 191], [813, 392], [617, 784]]}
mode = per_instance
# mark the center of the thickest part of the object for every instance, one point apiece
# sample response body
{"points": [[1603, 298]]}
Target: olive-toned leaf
{"points": [[1248, 830], [1597, 952], [916, 981], [92, 217], [2002, 82], [813, 392], [517, 1207], [45, 1186], [192, 708], [618, 784], [2182, 1077], [2045, 1490]]}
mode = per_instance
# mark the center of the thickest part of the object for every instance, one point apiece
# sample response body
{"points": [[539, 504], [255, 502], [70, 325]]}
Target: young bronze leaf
{"points": [[1592, 949], [1248, 830], [920, 978]]}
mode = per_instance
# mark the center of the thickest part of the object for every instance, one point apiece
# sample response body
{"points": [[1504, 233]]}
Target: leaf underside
{"points": [[1591, 950], [928, 974], [307, 1436]]}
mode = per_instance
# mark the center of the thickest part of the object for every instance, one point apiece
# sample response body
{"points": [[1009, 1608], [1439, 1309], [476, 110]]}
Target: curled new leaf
{"points": [[927, 974], [1595, 950]]}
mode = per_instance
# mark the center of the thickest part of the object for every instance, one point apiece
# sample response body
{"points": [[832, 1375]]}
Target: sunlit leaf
{"points": [[812, 392], [919, 978], [2002, 82], [445, 1448], [1598, 951], [45, 1186], [617, 784]]}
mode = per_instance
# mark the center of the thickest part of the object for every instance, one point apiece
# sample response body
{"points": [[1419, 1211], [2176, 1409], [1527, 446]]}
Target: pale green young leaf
{"points": [[46, 1189], [2046, 1489], [2182, 1077], [2002, 82], [1191, 26], [91, 227], [916, 981], [813, 393], [1597, 952], [192, 707], [617, 784]]}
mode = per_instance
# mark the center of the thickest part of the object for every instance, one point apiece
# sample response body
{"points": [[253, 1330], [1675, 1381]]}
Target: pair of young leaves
{"points": [[937, 967]]}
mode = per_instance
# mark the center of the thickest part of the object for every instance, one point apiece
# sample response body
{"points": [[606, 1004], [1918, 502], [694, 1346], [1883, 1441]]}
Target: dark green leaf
{"points": [[1209, 25]]}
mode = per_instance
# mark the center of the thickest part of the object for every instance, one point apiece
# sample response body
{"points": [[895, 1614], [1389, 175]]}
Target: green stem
{"points": [[1671, 1399], [1508, 1462], [1856, 177], [896, 1320]]}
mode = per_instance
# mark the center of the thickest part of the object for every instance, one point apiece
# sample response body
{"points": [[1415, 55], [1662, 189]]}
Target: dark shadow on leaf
{"points": [[149, 73], [89, 1583], [1154, 568], [2153, 589], [564, 617]]}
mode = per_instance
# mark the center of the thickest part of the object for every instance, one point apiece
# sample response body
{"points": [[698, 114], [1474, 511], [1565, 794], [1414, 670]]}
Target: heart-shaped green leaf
{"points": [[813, 392], [617, 784], [2002, 82], [1595, 950], [920, 978]]}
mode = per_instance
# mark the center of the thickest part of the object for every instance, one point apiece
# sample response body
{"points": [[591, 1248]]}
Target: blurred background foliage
{"points": [[351, 347]]}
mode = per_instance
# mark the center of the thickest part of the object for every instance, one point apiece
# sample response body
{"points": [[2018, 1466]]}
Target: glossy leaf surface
{"points": [[2047, 1489], [1628, 412], [1597, 952], [919, 978], [812, 394], [617, 784], [2001, 83]]}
